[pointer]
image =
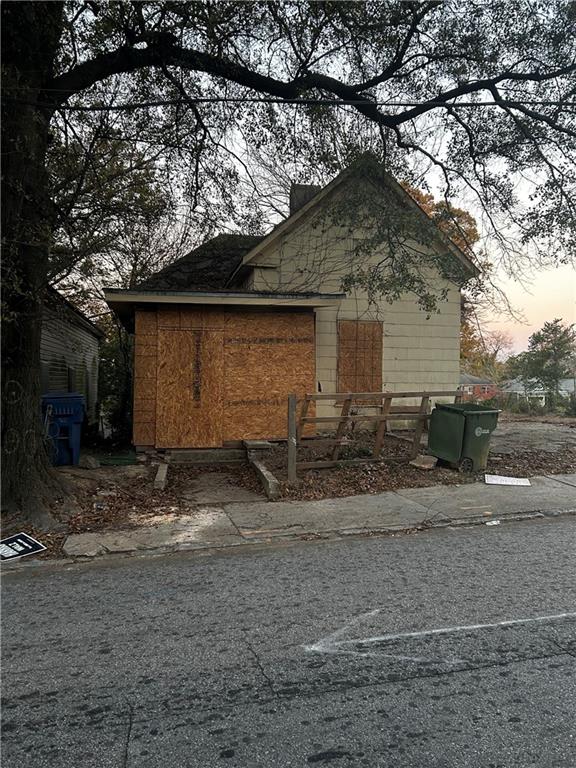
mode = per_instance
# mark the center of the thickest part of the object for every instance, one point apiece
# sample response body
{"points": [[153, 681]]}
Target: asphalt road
{"points": [[300, 655]]}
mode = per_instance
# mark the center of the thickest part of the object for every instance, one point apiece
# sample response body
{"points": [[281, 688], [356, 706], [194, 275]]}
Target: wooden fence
{"points": [[386, 412]]}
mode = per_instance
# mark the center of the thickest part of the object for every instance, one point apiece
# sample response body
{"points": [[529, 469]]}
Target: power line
{"points": [[302, 102]]}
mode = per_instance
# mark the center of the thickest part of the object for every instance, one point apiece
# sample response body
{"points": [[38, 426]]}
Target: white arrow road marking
{"points": [[334, 645]]}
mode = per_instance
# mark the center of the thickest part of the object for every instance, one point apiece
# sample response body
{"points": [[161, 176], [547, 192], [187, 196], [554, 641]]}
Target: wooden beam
{"points": [[403, 438], [381, 432], [303, 413], [381, 395], [374, 418], [345, 462], [292, 441], [420, 426], [341, 426]]}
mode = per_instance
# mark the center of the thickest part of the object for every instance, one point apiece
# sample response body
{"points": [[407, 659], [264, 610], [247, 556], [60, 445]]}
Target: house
{"points": [[223, 335], [534, 392], [531, 391], [69, 351], [477, 387]]}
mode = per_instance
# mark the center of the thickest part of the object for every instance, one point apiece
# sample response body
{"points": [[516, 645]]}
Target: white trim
{"points": [[222, 299]]}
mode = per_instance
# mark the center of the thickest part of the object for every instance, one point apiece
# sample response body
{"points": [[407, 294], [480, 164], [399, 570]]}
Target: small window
{"points": [[359, 356]]}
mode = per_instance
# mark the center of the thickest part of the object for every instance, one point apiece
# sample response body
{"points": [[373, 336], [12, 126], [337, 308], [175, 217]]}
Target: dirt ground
{"points": [[122, 497], [395, 471], [549, 437], [119, 497], [550, 418]]}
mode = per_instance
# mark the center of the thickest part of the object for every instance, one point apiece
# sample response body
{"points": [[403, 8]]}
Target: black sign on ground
{"points": [[19, 545]]}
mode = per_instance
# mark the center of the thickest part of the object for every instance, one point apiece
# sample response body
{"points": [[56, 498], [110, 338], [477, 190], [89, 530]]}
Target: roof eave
{"points": [[124, 302]]}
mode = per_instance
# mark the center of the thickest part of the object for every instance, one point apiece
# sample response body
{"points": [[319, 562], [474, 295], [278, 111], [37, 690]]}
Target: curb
{"points": [[287, 538]]}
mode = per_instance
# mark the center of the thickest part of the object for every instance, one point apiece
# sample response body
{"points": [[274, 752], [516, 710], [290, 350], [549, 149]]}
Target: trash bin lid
{"points": [[465, 408]]}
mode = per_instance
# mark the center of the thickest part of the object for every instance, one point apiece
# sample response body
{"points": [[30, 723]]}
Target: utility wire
{"points": [[302, 101]]}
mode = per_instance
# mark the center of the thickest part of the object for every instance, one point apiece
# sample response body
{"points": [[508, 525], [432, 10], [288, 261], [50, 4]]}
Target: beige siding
{"points": [[419, 352]]}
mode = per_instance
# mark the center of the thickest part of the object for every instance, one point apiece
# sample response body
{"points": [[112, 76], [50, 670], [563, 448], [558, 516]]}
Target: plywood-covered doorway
{"points": [[189, 411], [206, 376]]}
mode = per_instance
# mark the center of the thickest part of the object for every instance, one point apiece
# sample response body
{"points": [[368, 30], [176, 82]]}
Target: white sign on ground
{"points": [[503, 480], [19, 545]]}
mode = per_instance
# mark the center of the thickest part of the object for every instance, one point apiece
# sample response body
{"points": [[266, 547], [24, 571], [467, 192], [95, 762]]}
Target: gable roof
{"points": [[467, 378], [206, 268], [367, 166], [59, 304]]}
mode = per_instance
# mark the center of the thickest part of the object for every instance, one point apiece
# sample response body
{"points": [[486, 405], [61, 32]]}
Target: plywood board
{"points": [[145, 322], [359, 356], [267, 356], [169, 318], [145, 363], [189, 387], [208, 318], [144, 433]]}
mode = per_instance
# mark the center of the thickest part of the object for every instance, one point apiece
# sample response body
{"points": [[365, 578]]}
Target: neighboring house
{"points": [[477, 388], [69, 351], [530, 390], [533, 391], [223, 335]]}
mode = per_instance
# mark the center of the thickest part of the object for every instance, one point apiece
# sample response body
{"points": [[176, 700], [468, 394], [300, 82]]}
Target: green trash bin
{"points": [[460, 434]]}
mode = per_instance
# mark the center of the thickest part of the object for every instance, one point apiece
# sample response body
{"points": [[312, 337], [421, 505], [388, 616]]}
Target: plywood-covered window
{"points": [[359, 356]]}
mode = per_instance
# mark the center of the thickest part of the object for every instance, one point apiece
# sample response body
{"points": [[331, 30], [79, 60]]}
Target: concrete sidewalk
{"points": [[235, 524]]}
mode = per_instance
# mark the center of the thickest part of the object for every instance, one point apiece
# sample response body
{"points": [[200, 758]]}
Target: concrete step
{"points": [[207, 456]]}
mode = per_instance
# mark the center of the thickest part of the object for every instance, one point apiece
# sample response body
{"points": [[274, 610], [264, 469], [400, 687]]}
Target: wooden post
{"points": [[341, 427], [303, 414], [292, 442], [420, 425], [381, 431]]}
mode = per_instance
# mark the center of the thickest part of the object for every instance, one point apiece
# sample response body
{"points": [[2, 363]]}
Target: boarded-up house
{"points": [[69, 351], [224, 334]]}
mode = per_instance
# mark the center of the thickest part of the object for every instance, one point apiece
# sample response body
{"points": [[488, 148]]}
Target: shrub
{"points": [[570, 405]]}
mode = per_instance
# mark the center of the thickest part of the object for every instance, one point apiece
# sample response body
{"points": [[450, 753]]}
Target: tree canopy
{"points": [[476, 98], [551, 357]]}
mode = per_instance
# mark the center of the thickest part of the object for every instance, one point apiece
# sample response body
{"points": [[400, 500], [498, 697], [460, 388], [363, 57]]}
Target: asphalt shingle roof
{"points": [[206, 268]]}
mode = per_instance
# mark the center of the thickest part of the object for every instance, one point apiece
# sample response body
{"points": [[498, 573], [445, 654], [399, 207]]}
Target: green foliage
{"points": [[570, 405], [552, 353], [115, 381], [551, 357]]}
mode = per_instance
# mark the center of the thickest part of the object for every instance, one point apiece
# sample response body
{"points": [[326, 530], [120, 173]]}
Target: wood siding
{"points": [[206, 376]]}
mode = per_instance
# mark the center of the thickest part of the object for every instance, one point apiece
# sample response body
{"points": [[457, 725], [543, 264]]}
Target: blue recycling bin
{"points": [[62, 415]]}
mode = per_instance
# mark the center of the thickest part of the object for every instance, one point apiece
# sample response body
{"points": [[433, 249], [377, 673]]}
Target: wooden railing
{"points": [[381, 401]]}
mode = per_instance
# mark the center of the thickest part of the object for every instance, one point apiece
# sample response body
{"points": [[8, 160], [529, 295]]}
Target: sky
{"points": [[551, 294]]}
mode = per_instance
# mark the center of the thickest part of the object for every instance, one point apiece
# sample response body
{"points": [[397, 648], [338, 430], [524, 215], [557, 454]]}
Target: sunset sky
{"points": [[551, 294]]}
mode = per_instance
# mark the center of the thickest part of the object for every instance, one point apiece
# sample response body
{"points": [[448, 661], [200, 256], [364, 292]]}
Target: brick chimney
{"points": [[300, 194]]}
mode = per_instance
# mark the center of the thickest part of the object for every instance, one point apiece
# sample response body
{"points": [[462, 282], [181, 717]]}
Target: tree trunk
{"points": [[30, 36]]}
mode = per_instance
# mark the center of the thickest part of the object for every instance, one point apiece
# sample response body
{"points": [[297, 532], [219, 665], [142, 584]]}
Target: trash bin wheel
{"points": [[466, 466]]}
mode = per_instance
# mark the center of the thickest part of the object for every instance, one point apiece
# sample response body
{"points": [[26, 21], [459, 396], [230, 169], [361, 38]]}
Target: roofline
{"points": [[293, 218], [227, 298], [456, 250], [85, 321]]}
